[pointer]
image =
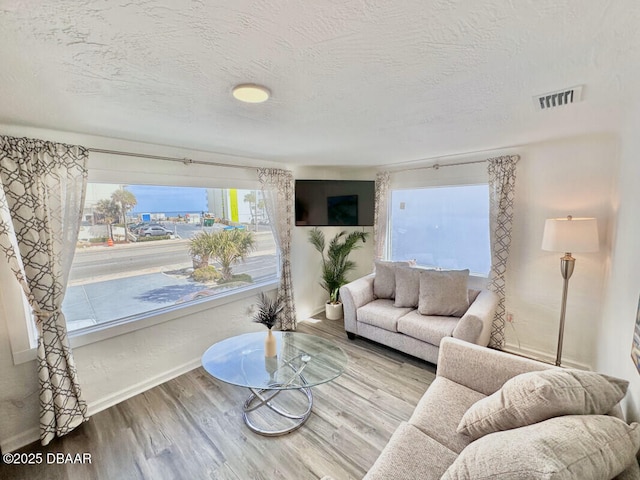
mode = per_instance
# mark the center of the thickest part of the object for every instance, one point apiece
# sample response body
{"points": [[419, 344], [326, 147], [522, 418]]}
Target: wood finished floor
{"points": [[191, 427]]}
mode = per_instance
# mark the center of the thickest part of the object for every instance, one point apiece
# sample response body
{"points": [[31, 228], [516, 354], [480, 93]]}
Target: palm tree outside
{"points": [[226, 247], [125, 201], [107, 213]]}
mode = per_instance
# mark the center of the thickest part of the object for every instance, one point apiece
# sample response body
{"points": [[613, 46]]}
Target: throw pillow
{"points": [[473, 294], [384, 283], [536, 396], [443, 293], [577, 447], [407, 287]]}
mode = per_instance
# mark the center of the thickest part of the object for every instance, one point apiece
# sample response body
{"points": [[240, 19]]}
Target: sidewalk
{"points": [[94, 303]]}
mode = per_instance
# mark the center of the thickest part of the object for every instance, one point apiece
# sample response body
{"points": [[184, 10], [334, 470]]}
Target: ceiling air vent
{"points": [[559, 98]]}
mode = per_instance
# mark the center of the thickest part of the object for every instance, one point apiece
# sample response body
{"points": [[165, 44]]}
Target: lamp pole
{"points": [[567, 263], [568, 235]]}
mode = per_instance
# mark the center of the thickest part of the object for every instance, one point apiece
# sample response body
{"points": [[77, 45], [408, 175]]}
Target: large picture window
{"points": [[144, 249], [442, 227]]}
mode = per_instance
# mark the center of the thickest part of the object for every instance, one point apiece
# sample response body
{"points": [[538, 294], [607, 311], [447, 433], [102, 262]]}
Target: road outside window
{"points": [[144, 249], [442, 227]]}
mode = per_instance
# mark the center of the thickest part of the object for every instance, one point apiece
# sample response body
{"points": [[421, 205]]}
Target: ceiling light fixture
{"points": [[251, 93]]}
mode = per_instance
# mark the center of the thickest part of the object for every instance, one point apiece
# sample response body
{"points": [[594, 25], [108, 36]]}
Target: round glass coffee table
{"points": [[281, 398]]}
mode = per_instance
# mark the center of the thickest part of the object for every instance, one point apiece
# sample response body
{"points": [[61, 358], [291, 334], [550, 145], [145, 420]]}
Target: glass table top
{"points": [[302, 360]]}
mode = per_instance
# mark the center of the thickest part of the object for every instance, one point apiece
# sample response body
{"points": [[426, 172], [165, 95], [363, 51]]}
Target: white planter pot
{"points": [[333, 311]]}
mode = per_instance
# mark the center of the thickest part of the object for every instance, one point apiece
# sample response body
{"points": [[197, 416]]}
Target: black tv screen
{"points": [[325, 203]]}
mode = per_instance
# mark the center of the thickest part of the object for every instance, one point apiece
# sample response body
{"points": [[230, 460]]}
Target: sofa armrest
{"points": [[475, 324], [480, 368], [354, 295]]}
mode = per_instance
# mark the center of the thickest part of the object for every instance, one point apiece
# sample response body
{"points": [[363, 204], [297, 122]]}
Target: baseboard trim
{"points": [[544, 357], [138, 388], [20, 440], [32, 435]]}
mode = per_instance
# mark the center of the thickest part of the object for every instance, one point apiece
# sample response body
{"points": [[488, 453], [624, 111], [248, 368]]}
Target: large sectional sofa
{"points": [[559, 435], [412, 309]]}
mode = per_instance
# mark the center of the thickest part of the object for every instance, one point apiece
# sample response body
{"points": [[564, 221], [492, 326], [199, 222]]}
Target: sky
{"points": [[154, 198]]}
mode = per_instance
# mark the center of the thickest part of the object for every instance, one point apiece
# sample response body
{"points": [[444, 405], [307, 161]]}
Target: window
{"points": [[133, 257], [442, 227]]}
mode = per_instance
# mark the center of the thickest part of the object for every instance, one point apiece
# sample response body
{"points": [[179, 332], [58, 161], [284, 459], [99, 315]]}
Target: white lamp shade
{"points": [[570, 235]]}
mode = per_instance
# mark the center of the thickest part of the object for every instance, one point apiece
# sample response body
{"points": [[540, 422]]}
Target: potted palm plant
{"points": [[336, 264]]}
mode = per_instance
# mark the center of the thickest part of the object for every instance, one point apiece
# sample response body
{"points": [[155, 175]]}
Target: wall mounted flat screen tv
{"points": [[325, 203]]}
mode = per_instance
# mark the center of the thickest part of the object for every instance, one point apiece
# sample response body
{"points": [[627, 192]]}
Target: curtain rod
{"points": [[437, 165], [390, 167], [186, 161]]}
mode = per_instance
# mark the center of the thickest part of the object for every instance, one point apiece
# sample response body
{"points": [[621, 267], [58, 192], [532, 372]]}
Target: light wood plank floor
{"points": [[191, 427]]}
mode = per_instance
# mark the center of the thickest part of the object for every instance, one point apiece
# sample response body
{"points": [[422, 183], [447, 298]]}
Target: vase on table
{"points": [[270, 346]]}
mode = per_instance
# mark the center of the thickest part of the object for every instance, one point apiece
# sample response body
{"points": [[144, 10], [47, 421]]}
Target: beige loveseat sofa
{"points": [[385, 307], [428, 444]]}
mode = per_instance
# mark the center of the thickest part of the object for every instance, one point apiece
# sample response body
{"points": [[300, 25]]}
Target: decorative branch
{"points": [[268, 310]]}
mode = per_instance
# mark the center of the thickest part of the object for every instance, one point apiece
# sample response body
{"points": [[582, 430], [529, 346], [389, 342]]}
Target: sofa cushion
{"points": [[381, 313], [631, 473], [579, 447], [407, 287], [430, 329], [443, 292], [440, 410], [384, 283], [411, 455], [536, 396]]}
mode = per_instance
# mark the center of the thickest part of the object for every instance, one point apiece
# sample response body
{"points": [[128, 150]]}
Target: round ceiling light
{"points": [[250, 93]]}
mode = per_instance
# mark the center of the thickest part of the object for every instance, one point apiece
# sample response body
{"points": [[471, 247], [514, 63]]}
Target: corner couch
{"points": [[426, 446], [384, 307]]}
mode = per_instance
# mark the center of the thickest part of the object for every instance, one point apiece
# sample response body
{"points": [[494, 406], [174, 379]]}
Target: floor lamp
{"points": [[569, 235]]}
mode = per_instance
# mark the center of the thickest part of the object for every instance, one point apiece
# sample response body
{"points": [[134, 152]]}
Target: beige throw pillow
{"points": [[576, 447], [407, 287], [384, 283], [536, 396], [443, 293]]}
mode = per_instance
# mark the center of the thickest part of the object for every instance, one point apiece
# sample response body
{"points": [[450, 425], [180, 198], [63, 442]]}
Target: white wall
{"points": [[574, 176], [615, 332]]}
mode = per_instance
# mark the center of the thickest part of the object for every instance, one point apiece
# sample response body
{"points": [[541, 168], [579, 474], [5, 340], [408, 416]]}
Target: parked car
{"points": [[154, 231], [144, 226], [137, 226]]}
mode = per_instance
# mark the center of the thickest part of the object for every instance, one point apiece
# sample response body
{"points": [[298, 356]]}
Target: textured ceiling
{"points": [[363, 82]]}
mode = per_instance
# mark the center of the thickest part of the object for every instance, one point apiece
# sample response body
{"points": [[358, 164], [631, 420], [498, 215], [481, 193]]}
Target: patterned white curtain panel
{"points": [[381, 214], [502, 183], [41, 200], [277, 190]]}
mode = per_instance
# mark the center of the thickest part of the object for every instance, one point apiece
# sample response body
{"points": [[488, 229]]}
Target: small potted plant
{"points": [[267, 311], [336, 264]]}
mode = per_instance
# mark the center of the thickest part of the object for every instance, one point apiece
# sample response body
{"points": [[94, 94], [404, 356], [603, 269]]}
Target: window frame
{"points": [[389, 242], [20, 323], [445, 176], [109, 168]]}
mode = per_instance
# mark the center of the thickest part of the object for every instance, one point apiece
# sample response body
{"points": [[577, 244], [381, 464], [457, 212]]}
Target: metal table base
{"points": [[258, 400]]}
